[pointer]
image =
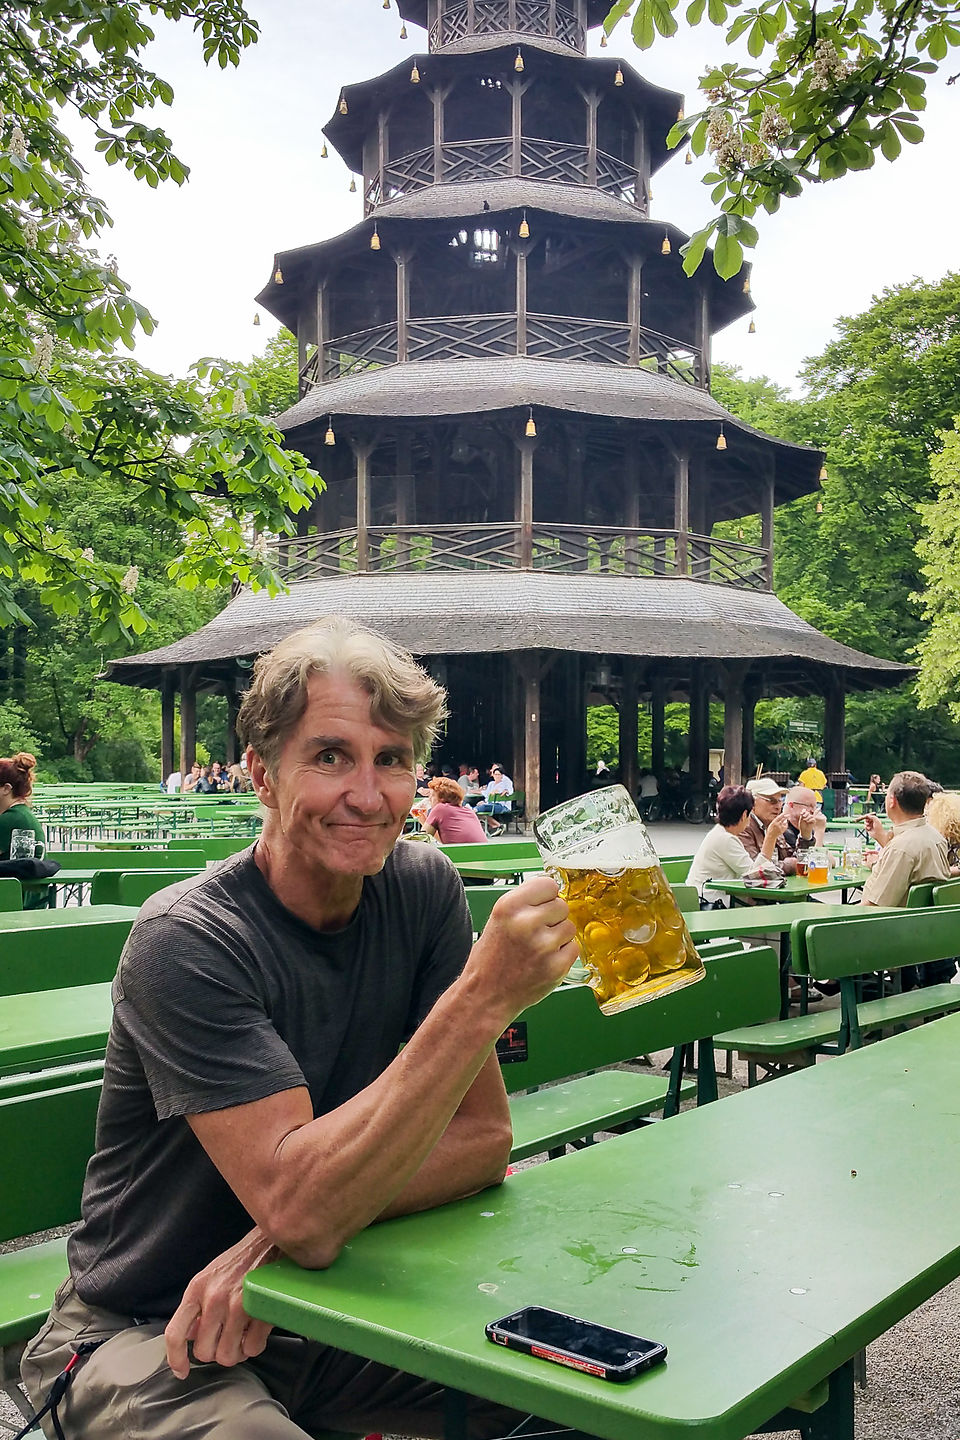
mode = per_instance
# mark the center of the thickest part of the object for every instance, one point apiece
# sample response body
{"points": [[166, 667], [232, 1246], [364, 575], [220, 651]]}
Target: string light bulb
{"points": [[603, 41], [278, 275], [375, 239], [752, 328], [618, 78], [518, 64], [721, 440], [329, 438], [823, 473], [531, 429], [403, 31], [415, 74], [256, 317], [324, 153], [666, 247], [353, 184], [343, 107], [524, 231]]}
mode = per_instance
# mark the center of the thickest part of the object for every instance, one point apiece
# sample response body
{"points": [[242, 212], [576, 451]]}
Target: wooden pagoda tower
{"points": [[505, 382]]}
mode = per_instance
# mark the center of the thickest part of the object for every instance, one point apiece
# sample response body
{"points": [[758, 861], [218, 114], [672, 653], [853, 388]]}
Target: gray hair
{"points": [[403, 696], [911, 790]]}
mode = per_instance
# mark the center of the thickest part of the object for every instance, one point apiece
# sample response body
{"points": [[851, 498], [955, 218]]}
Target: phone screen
{"points": [[540, 1331]]}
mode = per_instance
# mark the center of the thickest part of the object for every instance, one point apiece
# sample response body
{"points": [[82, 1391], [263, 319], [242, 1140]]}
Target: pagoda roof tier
{"points": [[416, 12], [365, 99], [464, 203], [476, 613], [435, 389]]}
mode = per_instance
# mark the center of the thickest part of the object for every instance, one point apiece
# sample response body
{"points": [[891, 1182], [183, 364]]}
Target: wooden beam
{"points": [[628, 725], [232, 740], [167, 703], [526, 447], [362, 456], [188, 719], [657, 700], [681, 510], [834, 725], [732, 679]]}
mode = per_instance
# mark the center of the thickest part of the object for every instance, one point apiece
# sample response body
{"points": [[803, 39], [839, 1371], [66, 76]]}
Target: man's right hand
{"points": [[527, 946]]}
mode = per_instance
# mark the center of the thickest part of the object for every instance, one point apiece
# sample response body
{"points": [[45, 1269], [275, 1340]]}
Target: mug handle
{"points": [[39, 849]]}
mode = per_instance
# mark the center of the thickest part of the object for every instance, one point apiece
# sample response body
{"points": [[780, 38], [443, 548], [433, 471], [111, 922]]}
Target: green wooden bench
{"points": [[214, 847], [494, 850], [843, 950], [676, 870], [55, 1077], [46, 1139], [122, 887], [566, 1035], [11, 895], [192, 859], [59, 958], [947, 894], [482, 898]]}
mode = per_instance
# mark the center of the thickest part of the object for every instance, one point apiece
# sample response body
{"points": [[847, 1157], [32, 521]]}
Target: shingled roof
{"points": [[437, 614]]}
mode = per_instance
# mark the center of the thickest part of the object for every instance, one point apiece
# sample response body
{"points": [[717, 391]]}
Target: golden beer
{"points": [[632, 936]]}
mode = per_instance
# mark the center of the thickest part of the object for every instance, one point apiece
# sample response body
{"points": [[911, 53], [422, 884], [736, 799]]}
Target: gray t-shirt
{"points": [[224, 997]]}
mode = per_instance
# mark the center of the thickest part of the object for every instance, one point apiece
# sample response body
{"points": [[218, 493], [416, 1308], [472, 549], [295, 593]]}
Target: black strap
{"points": [[58, 1389]]}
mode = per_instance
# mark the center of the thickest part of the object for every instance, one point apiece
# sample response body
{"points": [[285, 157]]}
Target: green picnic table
{"points": [[75, 916], [506, 868], [685, 1233], [794, 887], [53, 1027]]}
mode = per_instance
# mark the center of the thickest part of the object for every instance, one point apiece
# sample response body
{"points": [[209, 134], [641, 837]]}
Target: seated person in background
{"points": [[943, 813], [449, 819], [721, 856], [806, 825], [767, 815], [218, 777], [875, 791], [471, 787], [499, 785], [913, 851], [649, 789], [814, 779], [205, 785], [192, 781]]}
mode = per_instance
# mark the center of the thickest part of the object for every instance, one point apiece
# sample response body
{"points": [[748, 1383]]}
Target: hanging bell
{"points": [[375, 239], [524, 231], [666, 247], [324, 153], [256, 318], [688, 158], [680, 115], [819, 507], [618, 78], [518, 63], [531, 427], [746, 286], [823, 473], [330, 438], [386, 4], [403, 31], [343, 107], [721, 440], [740, 533], [752, 328], [603, 41], [353, 184], [278, 276], [415, 74]]}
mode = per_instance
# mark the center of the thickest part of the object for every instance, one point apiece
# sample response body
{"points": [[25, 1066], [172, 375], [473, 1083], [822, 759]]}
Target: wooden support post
{"points": [[406, 499], [403, 303], [732, 679], [630, 673], [188, 719], [573, 757], [530, 667], [657, 699], [699, 730], [232, 740], [703, 337], [631, 509], [522, 299], [516, 124], [167, 702], [635, 306], [526, 447], [362, 456], [766, 528], [681, 510], [321, 325], [592, 98], [749, 714], [834, 725], [437, 97]]}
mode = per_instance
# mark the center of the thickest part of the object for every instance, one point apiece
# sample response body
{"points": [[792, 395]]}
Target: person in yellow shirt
{"points": [[814, 779]]}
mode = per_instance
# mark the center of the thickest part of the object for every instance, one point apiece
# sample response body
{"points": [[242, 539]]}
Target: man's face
{"points": [[195, 770], [801, 805], [767, 807], [343, 785]]}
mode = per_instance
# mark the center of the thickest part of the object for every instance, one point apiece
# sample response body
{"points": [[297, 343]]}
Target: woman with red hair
{"points": [[451, 820]]}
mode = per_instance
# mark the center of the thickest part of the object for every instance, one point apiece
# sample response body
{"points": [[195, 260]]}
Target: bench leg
{"points": [[833, 1420], [706, 1073], [671, 1103]]}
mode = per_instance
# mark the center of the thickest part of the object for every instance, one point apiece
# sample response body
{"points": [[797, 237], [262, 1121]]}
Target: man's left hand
{"points": [[211, 1317]]}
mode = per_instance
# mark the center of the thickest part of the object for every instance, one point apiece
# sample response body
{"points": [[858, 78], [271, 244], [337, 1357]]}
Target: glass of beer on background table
{"points": [[632, 937]]}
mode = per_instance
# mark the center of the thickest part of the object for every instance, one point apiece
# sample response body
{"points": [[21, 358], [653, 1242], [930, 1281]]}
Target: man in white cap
{"points": [[766, 818]]}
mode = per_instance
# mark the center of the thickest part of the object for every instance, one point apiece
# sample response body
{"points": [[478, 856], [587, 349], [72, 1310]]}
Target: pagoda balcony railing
{"points": [[492, 17], [479, 337], [553, 161], [559, 549]]}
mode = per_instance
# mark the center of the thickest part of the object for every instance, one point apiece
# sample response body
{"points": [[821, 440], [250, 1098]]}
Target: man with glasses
{"points": [[765, 818], [807, 823]]}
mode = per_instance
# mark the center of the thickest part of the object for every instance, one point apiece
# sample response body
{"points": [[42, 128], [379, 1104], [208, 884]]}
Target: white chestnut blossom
{"points": [[130, 581]]}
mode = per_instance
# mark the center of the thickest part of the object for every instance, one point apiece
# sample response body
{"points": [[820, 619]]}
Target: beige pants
{"points": [[126, 1391]]}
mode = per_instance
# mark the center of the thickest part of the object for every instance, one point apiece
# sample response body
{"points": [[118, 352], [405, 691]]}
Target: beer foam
{"points": [[614, 851]]}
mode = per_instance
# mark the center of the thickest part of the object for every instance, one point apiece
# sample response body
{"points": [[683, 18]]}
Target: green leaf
{"points": [[727, 256]]}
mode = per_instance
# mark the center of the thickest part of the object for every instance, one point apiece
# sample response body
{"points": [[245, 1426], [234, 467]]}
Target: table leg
{"points": [[833, 1420]]}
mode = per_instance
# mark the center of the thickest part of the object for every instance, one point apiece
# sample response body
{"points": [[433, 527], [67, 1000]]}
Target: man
{"points": [[913, 852], [766, 818], [806, 825], [814, 779], [192, 782], [303, 1044]]}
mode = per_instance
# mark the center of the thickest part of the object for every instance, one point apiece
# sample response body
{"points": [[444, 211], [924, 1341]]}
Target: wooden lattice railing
{"points": [[554, 161], [478, 337], [492, 17], [561, 549]]}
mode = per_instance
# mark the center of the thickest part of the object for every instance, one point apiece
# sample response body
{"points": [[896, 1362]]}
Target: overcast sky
{"points": [[196, 256]]}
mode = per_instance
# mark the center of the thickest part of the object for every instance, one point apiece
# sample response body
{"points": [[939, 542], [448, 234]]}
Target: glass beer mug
{"points": [[632, 936]]}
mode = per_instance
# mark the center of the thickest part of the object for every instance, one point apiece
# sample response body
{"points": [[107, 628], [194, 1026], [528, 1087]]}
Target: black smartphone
{"points": [[578, 1344]]}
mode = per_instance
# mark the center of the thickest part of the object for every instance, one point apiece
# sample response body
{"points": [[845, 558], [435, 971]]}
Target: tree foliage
{"points": [[940, 600], [829, 88], [70, 410]]}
